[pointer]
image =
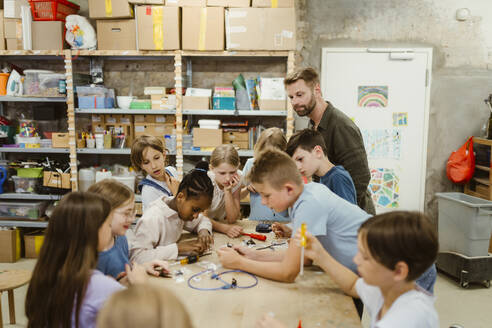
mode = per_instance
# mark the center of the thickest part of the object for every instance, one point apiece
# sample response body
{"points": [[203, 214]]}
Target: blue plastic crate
{"points": [[89, 102]]}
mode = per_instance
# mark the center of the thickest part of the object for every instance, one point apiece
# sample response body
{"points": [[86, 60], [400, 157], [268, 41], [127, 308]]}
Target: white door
{"points": [[386, 93]]}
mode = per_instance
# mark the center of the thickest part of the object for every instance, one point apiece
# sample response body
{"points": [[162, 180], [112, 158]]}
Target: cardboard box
{"points": [[12, 28], [186, 3], [118, 129], [190, 102], [32, 244], [59, 140], [229, 3], [14, 44], [238, 144], [126, 119], [261, 29], [12, 8], [155, 33], [10, 247], [47, 35], [98, 128], [195, 37], [152, 118], [207, 137], [154, 129], [270, 104], [273, 3], [147, 2], [97, 118], [112, 118], [116, 34], [2, 33], [56, 180], [102, 9], [235, 136]]}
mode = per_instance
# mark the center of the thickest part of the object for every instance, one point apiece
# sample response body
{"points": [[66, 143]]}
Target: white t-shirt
{"points": [[413, 309], [217, 208], [149, 194]]}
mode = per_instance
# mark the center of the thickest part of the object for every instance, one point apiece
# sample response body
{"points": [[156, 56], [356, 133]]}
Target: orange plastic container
{"points": [[4, 78]]}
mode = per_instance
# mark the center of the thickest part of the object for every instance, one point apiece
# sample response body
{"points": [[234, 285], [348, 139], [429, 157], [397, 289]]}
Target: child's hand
{"points": [[313, 248], [150, 267], [235, 179], [251, 188], [205, 237], [268, 321], [136, 273], [281, 230], [233, 231], [229, 257], [190, 247]]}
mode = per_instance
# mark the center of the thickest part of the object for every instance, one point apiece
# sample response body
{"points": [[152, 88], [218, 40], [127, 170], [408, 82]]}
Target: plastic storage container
{"points": [[187, 141], [95, 97], [51, 10], [26, 185], [22, 210], [87, 178], [465, 223], [42, 83]]}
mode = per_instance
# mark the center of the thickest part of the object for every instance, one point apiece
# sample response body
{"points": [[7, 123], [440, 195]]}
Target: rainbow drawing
{"points": [[373, 96]]}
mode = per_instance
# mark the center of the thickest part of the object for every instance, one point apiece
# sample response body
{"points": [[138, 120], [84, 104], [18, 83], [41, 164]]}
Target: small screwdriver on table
{"points": [[191, 259]]}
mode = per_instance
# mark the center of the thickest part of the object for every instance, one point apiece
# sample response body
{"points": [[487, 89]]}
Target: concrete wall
{"points": [[462, 68]]}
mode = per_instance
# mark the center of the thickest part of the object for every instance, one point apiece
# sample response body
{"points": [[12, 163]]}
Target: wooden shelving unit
{"points": [[482, 184]]}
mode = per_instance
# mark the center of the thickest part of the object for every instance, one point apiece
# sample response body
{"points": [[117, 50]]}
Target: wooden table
{"points": [[314, 298], [10, 280]]}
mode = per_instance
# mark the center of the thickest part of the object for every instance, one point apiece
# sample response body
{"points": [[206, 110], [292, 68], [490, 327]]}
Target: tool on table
{"points": [[272, 245], [163, 272], [263, 227], [191, 259], [255, 236], [303, 245]]}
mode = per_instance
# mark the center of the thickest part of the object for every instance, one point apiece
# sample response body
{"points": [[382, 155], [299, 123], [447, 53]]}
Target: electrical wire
{"points": [[216, 276]]}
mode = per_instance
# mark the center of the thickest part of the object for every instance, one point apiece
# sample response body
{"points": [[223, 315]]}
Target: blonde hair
{"points": [[143, 305], [276, 168], [113, 191], [140, 144], [225, 154], [271, 137]]}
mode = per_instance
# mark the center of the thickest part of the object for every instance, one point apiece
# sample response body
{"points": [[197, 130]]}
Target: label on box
{"points": [[110, 120], [287, 34], [140, 128], [160, 119], [125, 120], [237, 14]]}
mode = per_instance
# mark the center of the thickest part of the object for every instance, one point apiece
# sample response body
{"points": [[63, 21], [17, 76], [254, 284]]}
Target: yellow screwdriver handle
{"points": [[303, 235]]}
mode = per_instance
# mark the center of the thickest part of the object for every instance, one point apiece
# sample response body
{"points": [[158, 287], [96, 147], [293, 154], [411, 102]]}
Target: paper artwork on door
{"points": [[384, 188], [373, 96], [384, 143], [400, 119]]}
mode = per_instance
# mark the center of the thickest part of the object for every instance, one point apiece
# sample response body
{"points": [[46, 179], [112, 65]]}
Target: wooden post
{"points": [[290, 111], [178, 77], [72, 137]]}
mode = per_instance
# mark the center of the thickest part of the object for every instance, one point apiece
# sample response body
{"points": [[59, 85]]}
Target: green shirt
{"points": [[345, 147]]}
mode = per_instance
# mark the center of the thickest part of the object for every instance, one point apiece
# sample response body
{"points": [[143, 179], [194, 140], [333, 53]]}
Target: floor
{"points": [[466, 307]]}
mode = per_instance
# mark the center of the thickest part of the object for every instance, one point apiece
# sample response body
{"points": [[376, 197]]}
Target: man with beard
{"points": [[342, 137]]}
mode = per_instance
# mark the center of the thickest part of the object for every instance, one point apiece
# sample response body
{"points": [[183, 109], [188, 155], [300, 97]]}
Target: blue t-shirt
{"points": [[112, 262], [332, 219], [258, 211], [340, 182]]}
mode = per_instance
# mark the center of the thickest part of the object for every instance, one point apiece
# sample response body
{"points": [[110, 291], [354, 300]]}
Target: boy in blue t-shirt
{"points": [[307, 148], [333, 220]]}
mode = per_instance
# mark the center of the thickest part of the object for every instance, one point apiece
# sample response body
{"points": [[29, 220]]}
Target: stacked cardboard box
{"points": [[115, 28], [13, 33], [203, 28], [158, 27]]}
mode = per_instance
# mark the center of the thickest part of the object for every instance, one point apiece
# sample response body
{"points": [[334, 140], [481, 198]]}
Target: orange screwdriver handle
{"points": [[255, 236]]}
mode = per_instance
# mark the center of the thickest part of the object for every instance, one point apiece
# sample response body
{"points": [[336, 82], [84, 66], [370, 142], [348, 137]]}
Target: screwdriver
{"points": [[191, 259], [255, 236]]}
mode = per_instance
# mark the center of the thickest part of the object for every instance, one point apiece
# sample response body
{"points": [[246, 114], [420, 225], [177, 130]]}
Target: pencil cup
{"points": [[99, 141], [90, 143]]}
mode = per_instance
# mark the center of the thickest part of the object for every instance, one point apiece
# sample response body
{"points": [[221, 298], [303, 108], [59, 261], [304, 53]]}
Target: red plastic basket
{"points": [[52, 10]]}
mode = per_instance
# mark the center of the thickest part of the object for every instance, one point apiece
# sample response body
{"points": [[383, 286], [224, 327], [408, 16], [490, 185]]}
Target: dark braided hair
{"points": [[196, 183]]}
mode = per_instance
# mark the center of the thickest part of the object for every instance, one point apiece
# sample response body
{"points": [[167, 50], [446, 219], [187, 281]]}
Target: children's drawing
{"points": [[382, 143], [400, 119], [373, 96], [384, 188]]}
